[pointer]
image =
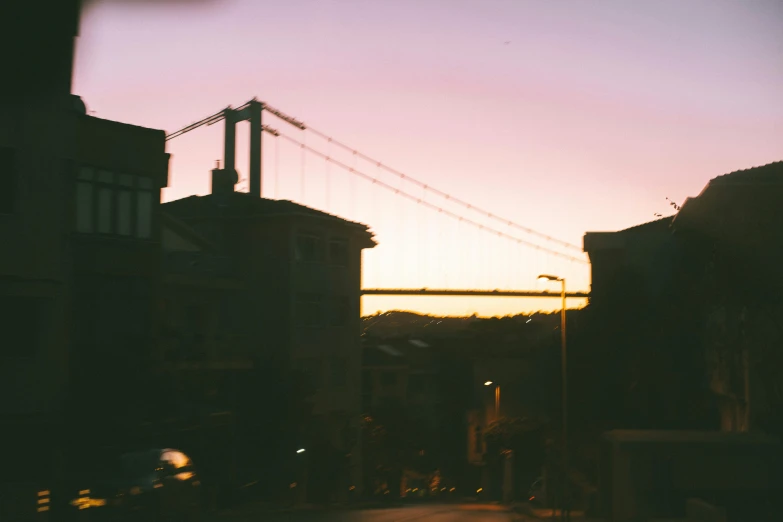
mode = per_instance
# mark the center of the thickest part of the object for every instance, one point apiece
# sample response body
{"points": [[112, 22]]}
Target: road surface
{"points": [[428, 513]]}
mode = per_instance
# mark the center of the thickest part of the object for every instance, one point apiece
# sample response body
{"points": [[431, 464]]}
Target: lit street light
{"points": [[305, 478], [564, 372], [497, 398]]}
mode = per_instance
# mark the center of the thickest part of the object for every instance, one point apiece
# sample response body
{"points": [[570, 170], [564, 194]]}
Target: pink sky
{"points": [[589, 117]]}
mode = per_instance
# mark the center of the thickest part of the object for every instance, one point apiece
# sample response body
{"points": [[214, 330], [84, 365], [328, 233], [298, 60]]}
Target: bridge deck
{"points": [[466, 293]]}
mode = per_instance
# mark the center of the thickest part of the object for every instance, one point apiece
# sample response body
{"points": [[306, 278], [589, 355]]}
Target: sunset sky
{"points": [[564, 117]]}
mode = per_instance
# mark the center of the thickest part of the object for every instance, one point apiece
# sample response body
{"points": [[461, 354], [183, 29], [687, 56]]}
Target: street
{"points": [[434, 513]]}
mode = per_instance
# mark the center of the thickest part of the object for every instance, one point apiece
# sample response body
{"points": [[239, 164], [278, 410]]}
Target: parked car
{"points": [[150, 485]]}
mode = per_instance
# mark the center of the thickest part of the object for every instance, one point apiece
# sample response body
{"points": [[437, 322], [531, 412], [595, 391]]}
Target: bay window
{"points": [[114, 204]]}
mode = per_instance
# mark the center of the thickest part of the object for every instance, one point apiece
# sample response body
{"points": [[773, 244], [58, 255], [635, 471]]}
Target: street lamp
{"points": [[564, 378], [304, 478], [497, 398]]}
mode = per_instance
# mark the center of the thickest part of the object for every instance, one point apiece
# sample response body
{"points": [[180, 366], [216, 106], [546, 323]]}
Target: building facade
{"points": [[693, 299], [78, 275], [730, 233], [300, 301], [642, 255]]}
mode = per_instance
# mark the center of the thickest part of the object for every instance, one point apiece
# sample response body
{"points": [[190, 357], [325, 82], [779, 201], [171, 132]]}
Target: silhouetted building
{"points": [[418, 392], [300, 301], [81, 260], [635, 260], [658, 475], [199, 315], [80, 265], [114, 258], [438, 382], [731, 233], [640, 337], [694, 299], [385, 373]]}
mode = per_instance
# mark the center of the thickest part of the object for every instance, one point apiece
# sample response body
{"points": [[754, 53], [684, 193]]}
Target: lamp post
{"points": [[564, 378], [497, 398], [305, 475]]}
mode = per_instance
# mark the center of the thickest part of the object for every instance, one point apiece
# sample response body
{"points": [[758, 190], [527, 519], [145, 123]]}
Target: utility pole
{"points": [[497, 402], [565, 511]]}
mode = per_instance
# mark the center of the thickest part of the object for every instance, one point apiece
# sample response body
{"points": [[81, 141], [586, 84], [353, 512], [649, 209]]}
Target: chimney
{"points": [[223, 180]]}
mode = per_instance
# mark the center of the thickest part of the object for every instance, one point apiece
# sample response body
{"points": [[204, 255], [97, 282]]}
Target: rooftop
{"points": [[769, 173], [658, 223], [243, 205], [598, 240], [748, 188]]}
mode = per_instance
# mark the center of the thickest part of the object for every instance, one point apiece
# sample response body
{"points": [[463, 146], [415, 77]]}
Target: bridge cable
{"points": [[210, 120], [302, 175], [328, 180], [447, 196], [277, 167], [431, 206]]}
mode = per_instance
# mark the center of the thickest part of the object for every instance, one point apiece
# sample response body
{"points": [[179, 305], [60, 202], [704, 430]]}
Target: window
{"points": [[308, 310], [339, 311], [339, 372], [21, 325], [8, 180], [338, 252], [112, 203], [309, 248]]}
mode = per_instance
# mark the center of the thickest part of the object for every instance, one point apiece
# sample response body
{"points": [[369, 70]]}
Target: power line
{"points": [[431, 206], [445, 195]]}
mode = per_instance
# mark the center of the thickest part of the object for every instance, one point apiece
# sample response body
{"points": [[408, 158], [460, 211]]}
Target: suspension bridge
{"points": [[459, 249]]}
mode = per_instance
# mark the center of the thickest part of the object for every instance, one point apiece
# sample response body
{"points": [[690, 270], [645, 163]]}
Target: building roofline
{"points": [[761, 176], [590, 238], [286, 209], [299, 209], [773, 173]]}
